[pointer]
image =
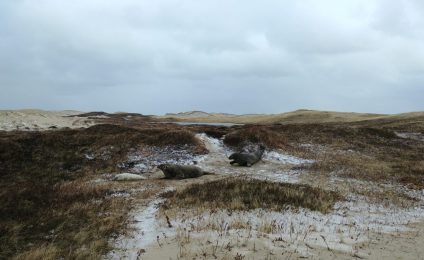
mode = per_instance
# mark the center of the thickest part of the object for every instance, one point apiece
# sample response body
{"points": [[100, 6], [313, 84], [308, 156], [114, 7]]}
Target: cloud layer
{"points": [[219, 56]]}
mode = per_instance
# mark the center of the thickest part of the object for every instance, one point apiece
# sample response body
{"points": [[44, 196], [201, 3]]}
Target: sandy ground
{"points": [[33, 119], [356, 228]]}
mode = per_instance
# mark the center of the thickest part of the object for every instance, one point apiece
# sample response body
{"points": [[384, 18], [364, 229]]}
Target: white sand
{"points": [[37, 120]]}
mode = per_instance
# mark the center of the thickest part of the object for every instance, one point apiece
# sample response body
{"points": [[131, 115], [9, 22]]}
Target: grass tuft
{"points": [[41, 221], [246, 194], [173, 137], [256, 134]]}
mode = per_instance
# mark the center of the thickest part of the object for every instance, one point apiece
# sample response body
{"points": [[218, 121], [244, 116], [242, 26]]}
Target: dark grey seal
{"points": [[246, 158], [175, 171]]}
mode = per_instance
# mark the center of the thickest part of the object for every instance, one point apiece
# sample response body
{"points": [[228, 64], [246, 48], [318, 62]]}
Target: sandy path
{"points": [[274, 166]]}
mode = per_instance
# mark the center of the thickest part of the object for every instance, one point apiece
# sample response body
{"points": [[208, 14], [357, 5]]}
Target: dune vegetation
{"points": [[52, 205]]}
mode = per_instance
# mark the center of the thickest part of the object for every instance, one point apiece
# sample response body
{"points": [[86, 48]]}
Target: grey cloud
{"points": [[228, 56]]}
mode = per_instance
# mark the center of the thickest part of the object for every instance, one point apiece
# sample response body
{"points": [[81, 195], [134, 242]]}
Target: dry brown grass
{"points": [[47, 208], [45, 251], [245, 194], [410, 173], [57, 155], [361, 150], [41, 189], [173, 137], [368, 150], [256, 134], [72, 220]]}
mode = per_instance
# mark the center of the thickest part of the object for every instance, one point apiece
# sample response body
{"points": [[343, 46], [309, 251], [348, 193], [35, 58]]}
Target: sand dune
{"points": [[35, 119], [298, 116]]}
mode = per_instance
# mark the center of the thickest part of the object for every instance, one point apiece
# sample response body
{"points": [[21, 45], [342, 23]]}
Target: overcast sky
{"points": [[160, 56]]}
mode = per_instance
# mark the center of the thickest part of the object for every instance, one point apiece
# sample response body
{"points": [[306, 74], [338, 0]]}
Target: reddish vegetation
{"points": [[43, 188], [42, 173], [256, 134], [173, 137], [54, 153], [245, 194], [378, 153]]}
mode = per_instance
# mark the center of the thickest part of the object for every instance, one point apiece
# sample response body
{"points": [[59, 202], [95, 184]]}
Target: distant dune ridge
{"points": [[190, 114], [298, 116], [35, 119]]}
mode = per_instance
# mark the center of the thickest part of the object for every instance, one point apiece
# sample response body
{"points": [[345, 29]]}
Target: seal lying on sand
{"points": [[174, 171], [247, 159]]}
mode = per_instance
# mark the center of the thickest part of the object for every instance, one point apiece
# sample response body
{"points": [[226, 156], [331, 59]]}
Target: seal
{"points": [[247, 159], [175, 171]]}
